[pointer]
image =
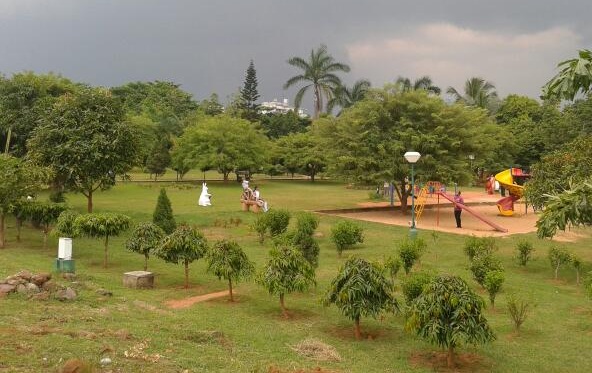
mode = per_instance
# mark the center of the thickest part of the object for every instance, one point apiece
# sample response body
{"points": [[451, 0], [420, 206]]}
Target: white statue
{"points": [[204, 197]]}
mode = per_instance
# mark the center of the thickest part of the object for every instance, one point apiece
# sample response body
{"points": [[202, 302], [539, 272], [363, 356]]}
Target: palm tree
{"points": [[319, 72], [346, 97], [424, 83], [477, 92]]}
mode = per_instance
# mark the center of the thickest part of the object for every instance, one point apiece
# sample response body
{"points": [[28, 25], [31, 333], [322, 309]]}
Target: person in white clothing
{"points": [[260, 202]]}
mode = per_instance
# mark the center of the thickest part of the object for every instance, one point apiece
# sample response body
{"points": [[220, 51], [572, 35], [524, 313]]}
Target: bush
{"points": [[163, 213], [346, 233], [519, 309], [493, 284], [308, 246], [414, 284], [524, 250], [392, 265], [482, 264], [260, 226], [479, 245], [65, 224], [307, 223], [558, 256], [410, 251], [277, 221]]}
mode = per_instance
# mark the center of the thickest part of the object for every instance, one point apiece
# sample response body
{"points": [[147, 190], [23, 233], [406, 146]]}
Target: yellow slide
{"points": [[506, 180]]}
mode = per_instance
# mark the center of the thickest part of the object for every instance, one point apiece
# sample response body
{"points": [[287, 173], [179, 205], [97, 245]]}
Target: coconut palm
{"points": [[424, 83], [346, 97], [477, 92], [319, 73]]}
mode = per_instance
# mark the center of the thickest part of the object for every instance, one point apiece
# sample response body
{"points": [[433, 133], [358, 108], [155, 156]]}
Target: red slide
{"points": [[475, 214]]}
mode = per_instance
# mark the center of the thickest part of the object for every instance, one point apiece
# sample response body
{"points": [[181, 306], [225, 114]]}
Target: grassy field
{"points": [[251, 335]]}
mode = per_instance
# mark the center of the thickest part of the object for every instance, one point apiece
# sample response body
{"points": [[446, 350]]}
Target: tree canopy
{"points": [[574, 76], [84, 139]]}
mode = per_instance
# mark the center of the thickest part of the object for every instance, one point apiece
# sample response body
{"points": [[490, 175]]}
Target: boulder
{"points": [[24, 274], [21, 288], [7, 288], [66, 294], [49, 286], [32, 288], [40, 278]]}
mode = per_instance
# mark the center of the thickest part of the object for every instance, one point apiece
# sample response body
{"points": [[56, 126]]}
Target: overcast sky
{"points": [[206, 45]]}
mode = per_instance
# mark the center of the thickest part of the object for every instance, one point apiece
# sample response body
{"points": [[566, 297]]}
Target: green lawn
{"points": [[36, 336]]}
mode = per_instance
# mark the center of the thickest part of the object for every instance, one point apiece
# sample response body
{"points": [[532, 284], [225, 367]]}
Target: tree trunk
{"points": [[19, 224], [357, 332], [106, 248], [450, 357], [225, 174], [318, 103], [186, 274], [89, 202], [45, 232], [1, 230], [556, 270], [312, 176], [230, 290], [284, 311], [145, 262]]}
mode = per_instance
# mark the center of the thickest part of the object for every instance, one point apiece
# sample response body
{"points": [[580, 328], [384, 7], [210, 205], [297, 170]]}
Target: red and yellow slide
{"points": [[507, 180]]}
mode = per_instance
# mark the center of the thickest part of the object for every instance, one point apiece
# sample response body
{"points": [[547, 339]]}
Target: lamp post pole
{"points": [[412, 157]]}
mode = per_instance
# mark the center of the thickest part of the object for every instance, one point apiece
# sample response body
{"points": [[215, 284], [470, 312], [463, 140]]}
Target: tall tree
{"points": [[367, 142], [279, 125], [85, 140], [249, 94], [476, 92], [228, 261], [211, 106], [319, 73], [424, 83], [345, 97], [222, 143], [23, 100], [574, 76], [302, 153]]}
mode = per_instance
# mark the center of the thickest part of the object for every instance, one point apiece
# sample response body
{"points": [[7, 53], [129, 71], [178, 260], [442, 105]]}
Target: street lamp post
{"points": [[412, 157]]}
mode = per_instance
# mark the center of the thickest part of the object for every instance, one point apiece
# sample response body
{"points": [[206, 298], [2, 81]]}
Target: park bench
{"points": [[247, 203]]}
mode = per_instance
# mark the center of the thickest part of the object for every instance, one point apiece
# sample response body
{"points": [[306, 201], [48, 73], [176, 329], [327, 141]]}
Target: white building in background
{"points": [[276, 107]]}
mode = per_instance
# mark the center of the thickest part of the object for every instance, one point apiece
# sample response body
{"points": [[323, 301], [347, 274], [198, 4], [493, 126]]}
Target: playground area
{"points": [[440, 217]]}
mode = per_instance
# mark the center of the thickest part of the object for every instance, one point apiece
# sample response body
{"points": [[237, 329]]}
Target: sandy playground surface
{"points": [[442, 218]]}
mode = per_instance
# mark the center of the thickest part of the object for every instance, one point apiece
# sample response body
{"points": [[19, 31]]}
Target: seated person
{"points": [[261, 202]]}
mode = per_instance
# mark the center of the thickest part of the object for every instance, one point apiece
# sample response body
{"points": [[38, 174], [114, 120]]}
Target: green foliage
{"points": [[318, 73], [303, 239], [568, 209], [83, 137], [277, 221], [163, 213], [249, 94], [559, 171], [414, 284], [493, 283], [345, 97], [300, 152], [479, 246], [307, 223], [345, 234], [145, 238], [558, 256], [477, 92], [524, 249], [184, 245], [519, 309], [159, 158], [260, 226], [361, 289], [279, 125], [101, 225], [574, 76], [410, 251], [44, 214], [286, 271], [65, 224], [577, 263], [483, 264], [222, 143], [448, 313], [228, 261], [392, 265]]}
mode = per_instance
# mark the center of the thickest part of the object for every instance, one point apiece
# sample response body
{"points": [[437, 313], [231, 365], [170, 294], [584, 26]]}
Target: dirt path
{"points": [[188, 302]]}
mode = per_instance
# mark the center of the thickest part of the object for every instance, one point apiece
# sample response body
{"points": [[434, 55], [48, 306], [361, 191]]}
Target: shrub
{"points": [[277, 221], [307, 223], [519, 309], [493, 284], [410, 251], [144, 239], [414, 284], [260, 226], [228, 261], [482, 264], [479, 245], [345, 234], [392, 265], [308, 246], [65, 224], [163, 213], [576, 262], [558, 256], [524, 250]]}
